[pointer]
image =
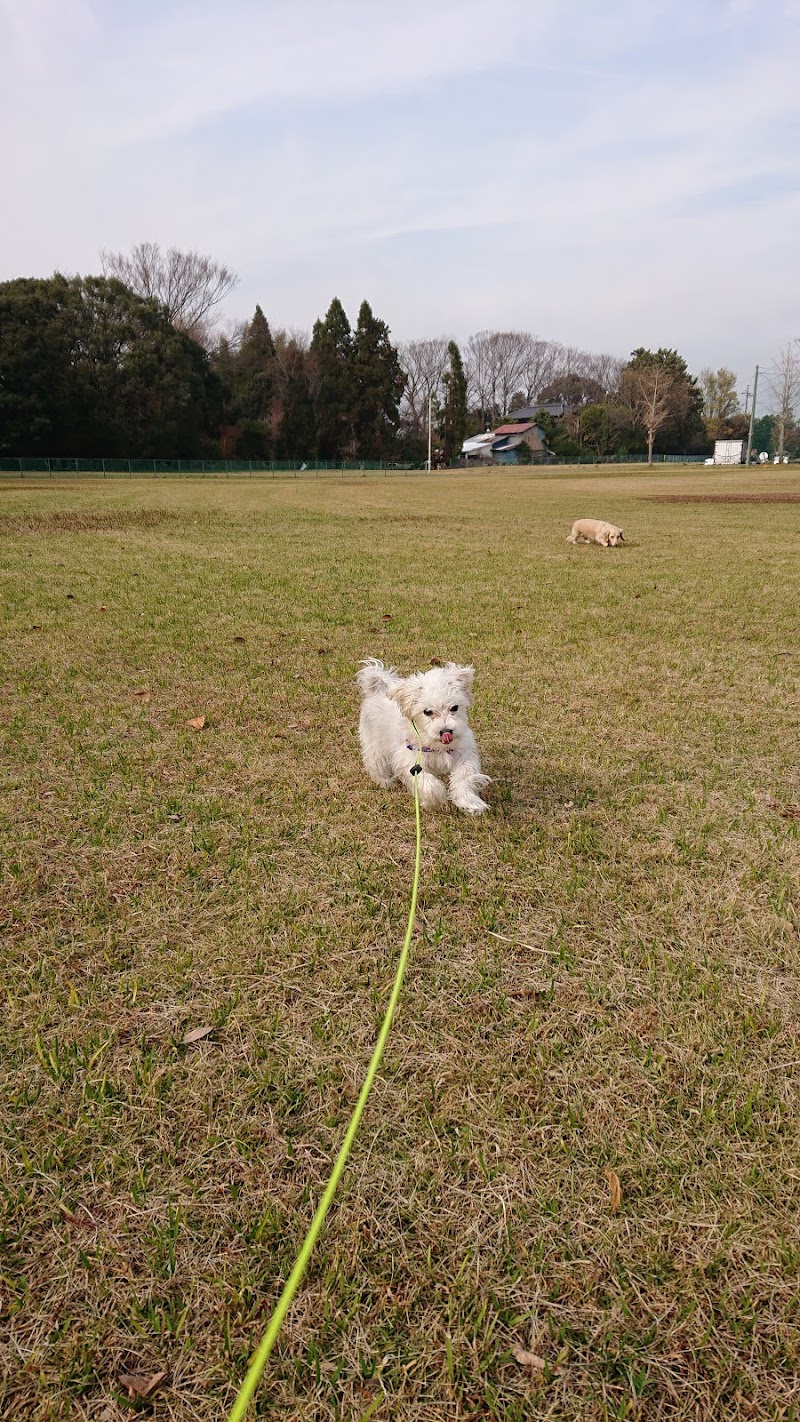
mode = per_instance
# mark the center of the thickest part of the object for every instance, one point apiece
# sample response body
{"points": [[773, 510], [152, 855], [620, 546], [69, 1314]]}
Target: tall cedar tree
{"points": [[254, 388], [89, 368], [379, 383], [454, 419], [331, 363]]}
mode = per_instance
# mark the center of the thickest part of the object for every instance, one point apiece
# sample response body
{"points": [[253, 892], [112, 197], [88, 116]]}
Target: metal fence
{"points": [[154, 468], [48, 467]]}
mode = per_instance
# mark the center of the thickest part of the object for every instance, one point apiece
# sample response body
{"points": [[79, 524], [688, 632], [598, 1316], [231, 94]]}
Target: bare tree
{"points": [[504, 370], [187, 283], [649, 392], [606, 369], [291, 348], [498, 366], [510, 350], [424, 364], [479, 370], [540, 366], [784, 383]]}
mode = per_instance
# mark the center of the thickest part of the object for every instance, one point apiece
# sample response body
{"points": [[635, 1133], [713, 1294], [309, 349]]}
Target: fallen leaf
{"points": [[238, 639], [174, 819], [435, 661], [197, 723], [196, 1035], [36, 627], [137, 1386], [323, 651], [70, 597], [102, 608], [530, 1360], [387, 616], [144, 694], [615, 1188], [789, 812]]}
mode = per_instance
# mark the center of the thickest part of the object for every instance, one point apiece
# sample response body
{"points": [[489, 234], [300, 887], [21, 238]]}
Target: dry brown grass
{"points": [[605, 976]]}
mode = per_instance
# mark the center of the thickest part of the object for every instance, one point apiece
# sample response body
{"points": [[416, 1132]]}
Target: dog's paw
{"points": [[471, 804], [432, 793]]}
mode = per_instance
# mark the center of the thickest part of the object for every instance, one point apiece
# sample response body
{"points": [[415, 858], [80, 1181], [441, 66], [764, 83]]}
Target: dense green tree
{"points": [[379, 382], [89, 368], [764, 433], [454, 415], [333, 383], [594, 430], [556, 435]]}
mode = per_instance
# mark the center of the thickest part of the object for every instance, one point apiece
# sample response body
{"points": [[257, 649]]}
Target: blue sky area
{"points": [[603, 174]]}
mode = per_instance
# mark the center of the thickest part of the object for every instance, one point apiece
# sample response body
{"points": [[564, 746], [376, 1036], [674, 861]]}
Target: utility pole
{"points": [[430, 420], [752, 418]]}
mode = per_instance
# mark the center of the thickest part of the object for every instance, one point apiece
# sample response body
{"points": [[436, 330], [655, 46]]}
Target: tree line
{"points": [[131, 363]]}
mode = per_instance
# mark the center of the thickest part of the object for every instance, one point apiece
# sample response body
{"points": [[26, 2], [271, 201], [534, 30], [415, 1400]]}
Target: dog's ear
{"points": [[405, 694], [463, 678]]}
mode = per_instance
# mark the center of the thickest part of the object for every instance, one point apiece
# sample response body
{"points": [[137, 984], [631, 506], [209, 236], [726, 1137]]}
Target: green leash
{"points": [[260, 1357]]}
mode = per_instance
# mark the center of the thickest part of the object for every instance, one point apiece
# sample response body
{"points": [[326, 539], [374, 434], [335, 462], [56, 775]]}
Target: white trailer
{"points": [[729, 451]]}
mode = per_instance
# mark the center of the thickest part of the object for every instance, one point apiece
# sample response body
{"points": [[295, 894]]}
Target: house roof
{"points": [[529, 412], [478, 441], [517, 427]]}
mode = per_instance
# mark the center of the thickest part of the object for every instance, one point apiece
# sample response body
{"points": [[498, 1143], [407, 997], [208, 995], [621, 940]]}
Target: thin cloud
{"points": [[605, 175]]}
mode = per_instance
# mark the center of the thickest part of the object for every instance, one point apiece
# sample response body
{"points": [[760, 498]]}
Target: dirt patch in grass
{"points": [[721, 498], [63, 522]]}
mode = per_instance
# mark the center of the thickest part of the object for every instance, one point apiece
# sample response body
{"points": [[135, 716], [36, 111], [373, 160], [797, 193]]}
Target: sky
{"points": [[607, 175]]}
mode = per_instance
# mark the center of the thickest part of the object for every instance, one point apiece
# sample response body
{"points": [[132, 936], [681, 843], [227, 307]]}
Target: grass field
{"points": [[584, 1140]]}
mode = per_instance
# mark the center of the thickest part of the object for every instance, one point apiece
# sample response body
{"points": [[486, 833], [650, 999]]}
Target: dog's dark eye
{"points": [[453, 710], [427, 713]]}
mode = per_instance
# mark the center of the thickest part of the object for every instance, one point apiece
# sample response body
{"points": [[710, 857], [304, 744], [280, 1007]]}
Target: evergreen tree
{"points": [[379, 382], [331, 364], [255, 369], [454, 418]]}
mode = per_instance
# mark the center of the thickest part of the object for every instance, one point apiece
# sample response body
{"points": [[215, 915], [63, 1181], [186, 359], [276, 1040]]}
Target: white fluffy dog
{"points": [[433, 704], [596, 530]]}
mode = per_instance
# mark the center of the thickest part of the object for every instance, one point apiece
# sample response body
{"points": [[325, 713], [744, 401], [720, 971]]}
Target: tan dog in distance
{"points": [[595, 530]]}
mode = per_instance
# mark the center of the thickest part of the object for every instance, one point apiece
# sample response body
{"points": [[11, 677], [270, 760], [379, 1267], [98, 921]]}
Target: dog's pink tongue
{"points": [[447, 737]]}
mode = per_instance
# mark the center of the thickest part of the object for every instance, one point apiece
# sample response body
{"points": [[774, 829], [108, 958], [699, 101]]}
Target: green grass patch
{"points": [[605, 975]]}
